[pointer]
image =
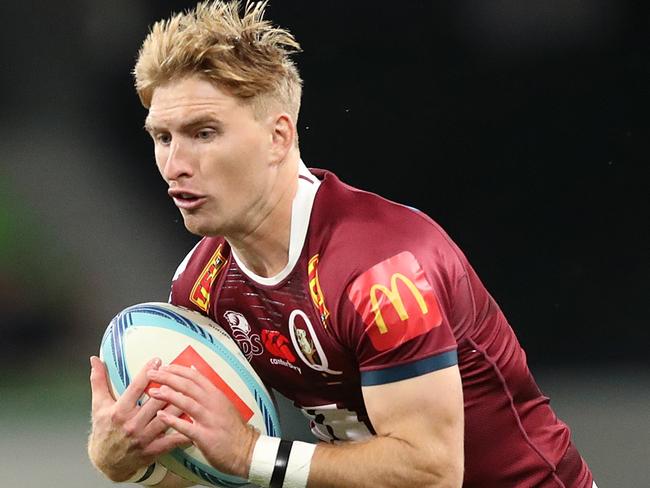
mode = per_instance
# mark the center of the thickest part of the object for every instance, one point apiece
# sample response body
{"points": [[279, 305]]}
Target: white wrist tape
{"points": [[299, 464], [149, 475], [280, 464], [264, 454]]}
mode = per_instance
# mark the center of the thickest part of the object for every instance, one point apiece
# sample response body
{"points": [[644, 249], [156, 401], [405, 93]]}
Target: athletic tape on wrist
{"points": [[280, 467], [263, 462], [280, 464], [299, 464]]}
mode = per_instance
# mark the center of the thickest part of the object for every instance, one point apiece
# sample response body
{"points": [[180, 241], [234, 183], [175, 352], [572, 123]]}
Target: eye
{"points": [[163, 138], [205, 134]]}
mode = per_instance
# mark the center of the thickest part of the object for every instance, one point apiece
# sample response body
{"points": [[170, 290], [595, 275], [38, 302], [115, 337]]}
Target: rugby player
{"points": [[362, 311]]}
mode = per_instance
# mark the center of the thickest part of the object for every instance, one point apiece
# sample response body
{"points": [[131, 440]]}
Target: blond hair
{"points": [[244, 54]]}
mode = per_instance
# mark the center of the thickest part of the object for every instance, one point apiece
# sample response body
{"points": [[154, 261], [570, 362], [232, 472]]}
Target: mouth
{"points": [[187, 200]]}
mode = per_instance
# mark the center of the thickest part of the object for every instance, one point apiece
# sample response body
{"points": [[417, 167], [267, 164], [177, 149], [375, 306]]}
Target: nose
{"points": [[176, 163]]}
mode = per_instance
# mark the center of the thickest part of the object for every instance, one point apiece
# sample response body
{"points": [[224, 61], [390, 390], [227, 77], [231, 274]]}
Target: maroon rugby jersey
{"points": [[376, 292]]}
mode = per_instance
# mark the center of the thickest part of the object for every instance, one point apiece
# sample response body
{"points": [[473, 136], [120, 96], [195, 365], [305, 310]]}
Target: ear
{"points": [[283, 136]]}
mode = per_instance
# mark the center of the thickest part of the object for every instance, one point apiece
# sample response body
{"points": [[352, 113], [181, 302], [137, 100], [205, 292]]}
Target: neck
{"points": [[265, 249]]}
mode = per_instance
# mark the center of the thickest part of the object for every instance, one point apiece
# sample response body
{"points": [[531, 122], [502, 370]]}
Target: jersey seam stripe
{"points": [[515, 413], [409, 370]]}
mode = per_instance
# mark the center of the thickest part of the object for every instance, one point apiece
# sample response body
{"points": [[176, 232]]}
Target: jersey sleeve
{"points": [[193, 281], [400, 313]]}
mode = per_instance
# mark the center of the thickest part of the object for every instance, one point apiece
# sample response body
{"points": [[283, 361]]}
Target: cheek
{"points": [[160, 155], [237, 159], [231, 160]]}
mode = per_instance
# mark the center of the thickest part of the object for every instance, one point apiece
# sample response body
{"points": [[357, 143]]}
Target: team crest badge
{"points": [[306, 344], [250, 344]]}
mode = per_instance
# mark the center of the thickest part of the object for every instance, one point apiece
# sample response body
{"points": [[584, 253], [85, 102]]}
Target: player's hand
{"points": [[216, 427], [124, 435]]}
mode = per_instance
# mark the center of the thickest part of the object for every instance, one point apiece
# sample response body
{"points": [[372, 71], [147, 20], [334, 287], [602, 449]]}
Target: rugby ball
{"points": [[181, 336]]}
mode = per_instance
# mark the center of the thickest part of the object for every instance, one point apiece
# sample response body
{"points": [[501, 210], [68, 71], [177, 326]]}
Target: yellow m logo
{"points": [[395, 299]]}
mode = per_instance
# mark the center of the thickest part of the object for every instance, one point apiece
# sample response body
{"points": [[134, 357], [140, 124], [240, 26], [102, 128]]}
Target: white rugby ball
{"points": [[181, 336]]}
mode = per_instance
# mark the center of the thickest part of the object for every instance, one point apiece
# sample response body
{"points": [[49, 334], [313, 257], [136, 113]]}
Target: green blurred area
{"points": [[30, 252], [38, 284], [61, 396]]}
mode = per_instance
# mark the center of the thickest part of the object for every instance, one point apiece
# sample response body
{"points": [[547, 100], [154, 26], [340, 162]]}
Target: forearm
{"points": [[383, 462], [379, 462]]}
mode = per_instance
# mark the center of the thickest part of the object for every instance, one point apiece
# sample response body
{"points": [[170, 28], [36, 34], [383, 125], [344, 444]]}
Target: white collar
{"points": [[300, 212]]}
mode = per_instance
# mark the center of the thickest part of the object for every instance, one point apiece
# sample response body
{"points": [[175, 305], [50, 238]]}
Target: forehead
{"points": [[194, 95]]}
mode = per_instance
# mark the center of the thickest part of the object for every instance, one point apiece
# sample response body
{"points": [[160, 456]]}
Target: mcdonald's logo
{"points": [[396, 301]]}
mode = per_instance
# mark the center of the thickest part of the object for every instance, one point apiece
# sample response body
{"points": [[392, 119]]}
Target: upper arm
{"points": [[425, 412]]}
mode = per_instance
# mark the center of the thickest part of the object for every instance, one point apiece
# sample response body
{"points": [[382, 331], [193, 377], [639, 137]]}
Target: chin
{"points": [[199, 228]]}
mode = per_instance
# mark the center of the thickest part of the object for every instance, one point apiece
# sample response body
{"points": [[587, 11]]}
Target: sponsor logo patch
{"points": [[315, 290], [286, 364], [192, 359], [277, 344], [395, 301], [200, 295]]}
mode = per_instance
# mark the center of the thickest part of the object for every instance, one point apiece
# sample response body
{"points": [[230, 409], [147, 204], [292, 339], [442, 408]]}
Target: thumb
{"points": [[101, 393]]}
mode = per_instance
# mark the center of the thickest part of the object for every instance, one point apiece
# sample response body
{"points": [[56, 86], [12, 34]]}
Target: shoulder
{"points": [[353, 230], [366, 244], [197, 271]]}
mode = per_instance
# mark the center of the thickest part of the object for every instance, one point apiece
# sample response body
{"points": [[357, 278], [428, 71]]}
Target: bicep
{"points": [[425, 411]]}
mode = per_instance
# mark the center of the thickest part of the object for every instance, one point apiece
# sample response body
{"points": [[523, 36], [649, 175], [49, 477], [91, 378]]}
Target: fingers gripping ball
{"points": [[180, 336]]}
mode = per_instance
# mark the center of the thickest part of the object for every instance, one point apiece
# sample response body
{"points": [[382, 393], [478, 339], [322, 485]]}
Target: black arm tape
{"points": [[281, 461]]}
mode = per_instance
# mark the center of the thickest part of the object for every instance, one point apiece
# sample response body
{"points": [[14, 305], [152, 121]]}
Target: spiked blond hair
{"points": [[242, 52]]}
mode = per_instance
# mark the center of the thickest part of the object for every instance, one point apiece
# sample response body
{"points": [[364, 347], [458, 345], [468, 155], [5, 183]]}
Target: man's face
{"points": [[214, 155]]}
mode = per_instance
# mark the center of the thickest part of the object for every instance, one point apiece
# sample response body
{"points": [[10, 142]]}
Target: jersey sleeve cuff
{"points": [[409, 370]]}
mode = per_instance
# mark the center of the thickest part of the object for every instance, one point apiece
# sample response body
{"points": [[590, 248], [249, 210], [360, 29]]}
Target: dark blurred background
{"points": [[521, 126]]}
